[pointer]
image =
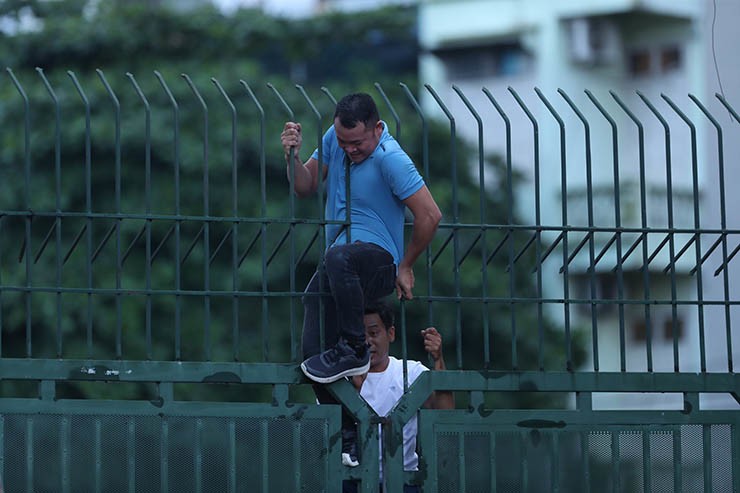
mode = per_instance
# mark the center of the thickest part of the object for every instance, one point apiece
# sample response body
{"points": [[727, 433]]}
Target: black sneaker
{"points": [[337, 362], [350, 457]]}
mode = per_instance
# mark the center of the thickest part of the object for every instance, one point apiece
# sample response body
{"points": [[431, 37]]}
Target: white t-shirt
{"points": [[382, 390]]}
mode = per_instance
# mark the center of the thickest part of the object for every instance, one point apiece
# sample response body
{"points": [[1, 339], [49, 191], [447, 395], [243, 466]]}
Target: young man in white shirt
{"points": [[383, 385]]}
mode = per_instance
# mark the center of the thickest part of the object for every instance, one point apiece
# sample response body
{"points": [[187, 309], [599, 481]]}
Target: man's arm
{"points": [[440, 399], [426, 219], [306, 174]]}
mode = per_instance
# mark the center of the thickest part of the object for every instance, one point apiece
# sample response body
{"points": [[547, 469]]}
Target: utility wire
{"points": [[714, 51]]}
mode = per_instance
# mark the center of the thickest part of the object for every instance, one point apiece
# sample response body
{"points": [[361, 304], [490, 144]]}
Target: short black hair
{"points": [[383, 309], [357, 107]]}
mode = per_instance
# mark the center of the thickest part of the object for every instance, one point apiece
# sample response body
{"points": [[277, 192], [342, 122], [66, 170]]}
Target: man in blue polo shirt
{"points": [[367, 260]]}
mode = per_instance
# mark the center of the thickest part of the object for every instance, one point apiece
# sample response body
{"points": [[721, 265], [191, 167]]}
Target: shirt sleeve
{"points": [[327, 143], [415, 369], [401, 174]]}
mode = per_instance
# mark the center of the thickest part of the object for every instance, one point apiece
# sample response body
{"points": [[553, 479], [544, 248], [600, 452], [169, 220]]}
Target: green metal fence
{"points": [[152, 261]]}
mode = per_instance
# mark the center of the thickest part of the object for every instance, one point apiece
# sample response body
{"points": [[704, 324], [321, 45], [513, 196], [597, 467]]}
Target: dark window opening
{"points": [[639, 61], [670, 59], [653, 61], [504, 59]]}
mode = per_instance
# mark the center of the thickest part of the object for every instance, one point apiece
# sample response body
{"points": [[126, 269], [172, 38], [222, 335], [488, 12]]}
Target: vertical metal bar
{"points": [[291, 230], [295, 338], [538, 230], [263, 212], [584, 404], [2, 447], [616, 481], [64, 451], [585, 455], [708, 461], [492, 462], [370, 452], [1, 337], [264, 456], [735, 456], [723, 226], [404, 347], [348, 199], [30, 457], [564, 213], [117, 180], [483, 230], [234, 224], [297, 479], [429, 456], [618, 227], [647, 470], [404, 336], [644, 234], [97, 450], [554, 446], [27, 205], [232, 466], [456, 223], [510, 231], [322, 215], [206, 226], [671, 238], [1, 291], [198, 466], [178, 219], [697, 232], [427, 179], [148, 211], [347, 196], [131, 454], [677, 454], [590, 234], [524, 462], [461, 462], [58, 207], [164, 456], [392, 435], [88, 210], [397, 136]]}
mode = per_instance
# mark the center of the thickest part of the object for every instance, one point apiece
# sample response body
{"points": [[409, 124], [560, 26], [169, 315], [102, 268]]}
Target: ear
{"points": [[378, 129], [392, 333]]}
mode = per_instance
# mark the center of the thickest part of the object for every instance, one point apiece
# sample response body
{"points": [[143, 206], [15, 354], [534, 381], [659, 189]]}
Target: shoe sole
{"points": [[351, 372]]}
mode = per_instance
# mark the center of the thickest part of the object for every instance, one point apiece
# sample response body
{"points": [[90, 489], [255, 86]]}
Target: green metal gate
{"points": [[152, 262]]}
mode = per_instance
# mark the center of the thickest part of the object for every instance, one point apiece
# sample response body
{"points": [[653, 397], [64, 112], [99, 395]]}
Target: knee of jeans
{"points": [[335, 258]]}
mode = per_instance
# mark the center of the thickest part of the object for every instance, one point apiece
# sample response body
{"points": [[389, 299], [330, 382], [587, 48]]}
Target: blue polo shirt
{"points": [[378, 186]]}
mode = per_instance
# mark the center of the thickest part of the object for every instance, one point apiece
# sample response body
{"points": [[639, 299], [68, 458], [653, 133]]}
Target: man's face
{"points": [[379, 338], [358, 142]]}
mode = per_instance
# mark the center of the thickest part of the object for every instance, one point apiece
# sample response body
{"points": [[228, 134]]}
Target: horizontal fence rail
{"points": [[153, 256]]}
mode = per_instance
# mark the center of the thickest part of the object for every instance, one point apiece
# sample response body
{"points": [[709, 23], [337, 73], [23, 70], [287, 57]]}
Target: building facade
{"points": [[638, 51]]}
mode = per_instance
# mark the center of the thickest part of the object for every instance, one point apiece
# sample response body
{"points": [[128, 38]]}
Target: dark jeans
{"points": [[352, 273]]}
